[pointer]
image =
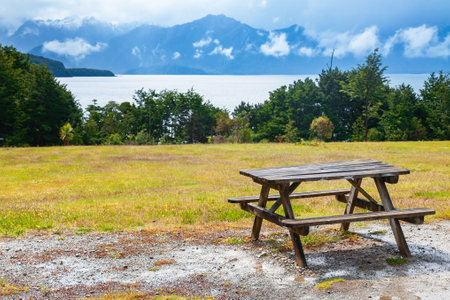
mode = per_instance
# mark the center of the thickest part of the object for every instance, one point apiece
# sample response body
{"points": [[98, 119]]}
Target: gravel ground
{"points": [[195, 264]]}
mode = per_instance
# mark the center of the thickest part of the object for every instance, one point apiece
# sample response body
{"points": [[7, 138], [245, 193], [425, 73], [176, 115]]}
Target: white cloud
{"points": [[30, 31], [263, 3], [417, 39], [421, 41], [223, 51], [363, 43], [78, 47], [441, 49], [276, 46], [136, 51], [176, 55], [198, 53], [307, 51], [202, 42], [345, 43]]}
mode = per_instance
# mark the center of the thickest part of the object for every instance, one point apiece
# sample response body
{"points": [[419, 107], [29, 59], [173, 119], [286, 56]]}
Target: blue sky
{"points": [[316, 15]]}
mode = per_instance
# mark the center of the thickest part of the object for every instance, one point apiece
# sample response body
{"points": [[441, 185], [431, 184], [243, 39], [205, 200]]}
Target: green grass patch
{"points": [[376, 232], [325, 285], [396, 261], [428, 195], [234, 240], [83, 230]]}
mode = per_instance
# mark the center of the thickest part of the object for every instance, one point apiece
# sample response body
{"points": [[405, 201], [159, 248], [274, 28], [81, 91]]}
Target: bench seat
{"points": [[393, 214]]}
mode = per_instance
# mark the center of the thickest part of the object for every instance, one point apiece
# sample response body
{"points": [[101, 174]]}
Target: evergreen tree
{"points": [[367, 86]]}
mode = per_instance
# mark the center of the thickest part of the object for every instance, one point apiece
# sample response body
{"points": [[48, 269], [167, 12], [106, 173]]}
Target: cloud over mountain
{"points": [[77, 48], [222, 45]]}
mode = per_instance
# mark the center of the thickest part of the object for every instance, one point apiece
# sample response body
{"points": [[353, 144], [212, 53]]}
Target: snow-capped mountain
{"points": [[217, 44]]}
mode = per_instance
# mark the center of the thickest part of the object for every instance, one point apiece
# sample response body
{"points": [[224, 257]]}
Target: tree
{"points": [[399, 121], [223, 123], [66, 133], [300, 103], [173, 117], [322, 127], [435, 104], [336, 103], [34, 105], [367, 86]]}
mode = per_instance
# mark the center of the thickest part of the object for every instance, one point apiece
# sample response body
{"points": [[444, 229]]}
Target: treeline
{"points": [[355, 105], [33, 105]]}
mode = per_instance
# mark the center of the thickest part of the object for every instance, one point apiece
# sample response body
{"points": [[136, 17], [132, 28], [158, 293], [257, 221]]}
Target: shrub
{"points": [[322, 127]]}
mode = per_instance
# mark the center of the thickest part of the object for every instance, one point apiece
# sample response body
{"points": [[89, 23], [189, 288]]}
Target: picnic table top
{"points": [[349, 169]]}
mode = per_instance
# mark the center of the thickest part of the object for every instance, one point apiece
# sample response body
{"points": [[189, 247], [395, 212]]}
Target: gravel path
{"points": [[193, 264]]}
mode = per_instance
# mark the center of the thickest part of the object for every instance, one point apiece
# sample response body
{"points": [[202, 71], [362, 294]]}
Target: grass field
{"points": [[108, 188]]}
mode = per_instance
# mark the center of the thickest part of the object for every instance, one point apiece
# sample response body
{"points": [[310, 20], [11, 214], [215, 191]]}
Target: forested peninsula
{"points": [[59, 70], [352, 105]]}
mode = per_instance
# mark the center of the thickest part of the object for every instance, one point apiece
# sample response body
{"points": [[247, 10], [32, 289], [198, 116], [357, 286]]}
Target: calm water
{"points": [[225, 91]]}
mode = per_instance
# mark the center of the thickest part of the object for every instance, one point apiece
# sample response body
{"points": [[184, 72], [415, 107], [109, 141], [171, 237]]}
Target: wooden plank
{"points": [[277, 204], [395, 225], [397, 214], [323, 170], [296, 242], [311, 166], [391, 180], [361, 190], [298, 195], [349, 208], [262, 203], [366, 204], [298, 170], [362, 203], [338, 175], [271, 217]]}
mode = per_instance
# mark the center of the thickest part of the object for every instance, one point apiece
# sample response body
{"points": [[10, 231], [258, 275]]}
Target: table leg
{"points": [[261, 202], [351, 203], [395, 224], [296, 242]]}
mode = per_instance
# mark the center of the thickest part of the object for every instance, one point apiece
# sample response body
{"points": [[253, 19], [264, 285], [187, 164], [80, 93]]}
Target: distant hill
{"points": [[58, 69], [217, 44]]}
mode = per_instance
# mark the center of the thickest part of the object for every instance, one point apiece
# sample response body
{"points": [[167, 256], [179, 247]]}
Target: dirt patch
{"points": [[190, 264]]}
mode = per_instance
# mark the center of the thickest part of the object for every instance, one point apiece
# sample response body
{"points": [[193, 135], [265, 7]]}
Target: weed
{"points": [[9, 289], [164, 262], [153, 269], [83, 230], [325, 285], [396, 261], [378, 232], [234, 240]]}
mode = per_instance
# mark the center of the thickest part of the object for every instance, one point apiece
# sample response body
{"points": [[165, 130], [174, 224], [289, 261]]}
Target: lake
{"points": [[225, 91]]}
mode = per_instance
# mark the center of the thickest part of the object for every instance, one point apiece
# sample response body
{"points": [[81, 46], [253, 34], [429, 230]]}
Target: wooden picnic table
{"points": [[286, 180]]}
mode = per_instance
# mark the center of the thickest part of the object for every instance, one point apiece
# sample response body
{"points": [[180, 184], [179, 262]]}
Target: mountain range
{"points": [[217, 44]]}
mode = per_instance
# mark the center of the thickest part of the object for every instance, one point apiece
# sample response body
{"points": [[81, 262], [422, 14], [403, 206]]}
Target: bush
{"points": [[322, 127], [143, 138], [374, 135], [114, 139], [219, 139]]}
